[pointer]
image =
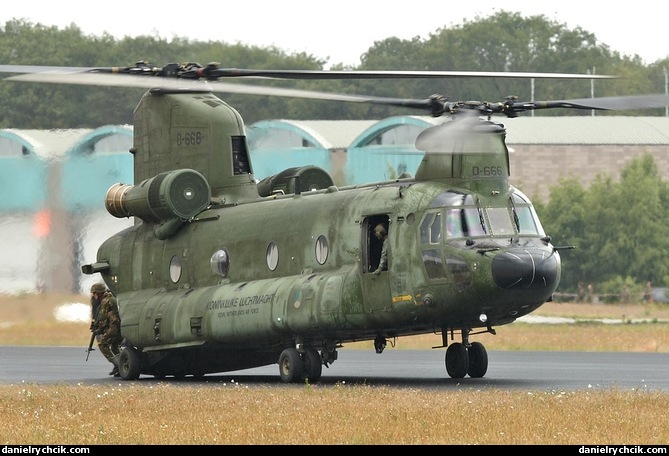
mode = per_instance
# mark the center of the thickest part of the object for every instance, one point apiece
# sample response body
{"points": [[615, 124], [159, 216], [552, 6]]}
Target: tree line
{"points": [[502, 42]]}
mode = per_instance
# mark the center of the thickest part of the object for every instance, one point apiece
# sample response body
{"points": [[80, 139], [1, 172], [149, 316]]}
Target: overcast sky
{"points": [[343, 30]]}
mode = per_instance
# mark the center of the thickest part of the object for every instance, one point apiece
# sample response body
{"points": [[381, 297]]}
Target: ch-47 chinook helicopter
{"points": [[221, 272]]}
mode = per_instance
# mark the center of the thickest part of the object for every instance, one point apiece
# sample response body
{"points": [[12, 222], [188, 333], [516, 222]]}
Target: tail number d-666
{"points": [[189, 138], [487, 171]]}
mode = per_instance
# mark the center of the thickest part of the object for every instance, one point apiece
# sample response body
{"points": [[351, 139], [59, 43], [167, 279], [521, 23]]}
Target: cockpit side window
{"points": [[430, 229], [425, 228], [435, 229], [527, 221], [473, 222]]}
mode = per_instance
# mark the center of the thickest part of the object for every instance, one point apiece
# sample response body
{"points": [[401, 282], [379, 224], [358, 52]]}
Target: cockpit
{"points": [[458, 215], [454, 216]]}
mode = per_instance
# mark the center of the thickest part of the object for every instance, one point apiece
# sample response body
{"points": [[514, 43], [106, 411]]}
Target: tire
{"points": [[291, 367], [478, 360], [313, 367], [457, 360], [130, 364]]}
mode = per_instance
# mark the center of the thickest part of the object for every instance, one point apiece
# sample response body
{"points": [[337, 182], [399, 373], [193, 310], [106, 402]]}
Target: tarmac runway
{"points": [[529, 370]]}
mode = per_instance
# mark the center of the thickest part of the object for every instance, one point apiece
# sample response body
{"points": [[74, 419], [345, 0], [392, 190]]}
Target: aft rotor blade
{"points": [[111, 80], [365, 74], [213, 72]]}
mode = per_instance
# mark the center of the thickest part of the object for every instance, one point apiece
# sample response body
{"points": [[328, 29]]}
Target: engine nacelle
{"points": [[180, 194], [295, 180]]}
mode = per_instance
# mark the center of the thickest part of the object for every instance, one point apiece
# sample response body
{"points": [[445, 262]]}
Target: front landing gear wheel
{"points": [[478, 360], [457, 360], [291, 367], [129, 364]]}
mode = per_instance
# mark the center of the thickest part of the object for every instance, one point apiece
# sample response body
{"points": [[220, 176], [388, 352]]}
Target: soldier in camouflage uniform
{"points": [[106, 323]]}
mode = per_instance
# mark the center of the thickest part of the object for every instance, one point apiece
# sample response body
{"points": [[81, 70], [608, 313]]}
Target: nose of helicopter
{"points": [[526, 269]]}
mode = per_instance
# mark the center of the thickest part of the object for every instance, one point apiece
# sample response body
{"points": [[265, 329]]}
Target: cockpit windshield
{"points": [[500, 221], [463, 216]]}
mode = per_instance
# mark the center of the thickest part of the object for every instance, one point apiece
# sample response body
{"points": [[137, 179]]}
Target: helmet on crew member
{"points": [[99, 288]]}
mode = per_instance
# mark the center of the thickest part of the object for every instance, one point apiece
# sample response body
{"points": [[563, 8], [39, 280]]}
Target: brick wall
{"points": [[535, 168]]}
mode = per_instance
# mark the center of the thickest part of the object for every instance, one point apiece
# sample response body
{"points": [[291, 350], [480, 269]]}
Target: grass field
{"points": [[177, 413]]}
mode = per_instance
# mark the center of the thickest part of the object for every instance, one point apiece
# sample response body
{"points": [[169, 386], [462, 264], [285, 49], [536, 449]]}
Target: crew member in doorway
{"points": [[382, 235]]}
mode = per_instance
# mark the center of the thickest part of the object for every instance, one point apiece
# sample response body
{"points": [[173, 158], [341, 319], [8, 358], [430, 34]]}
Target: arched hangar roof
{"points": [[37, 164], [404, 131], [280, 144], [94, 141], [45, 144], [24, 158], [100, 159], [387, 149], [323, 134], [57, 143]]}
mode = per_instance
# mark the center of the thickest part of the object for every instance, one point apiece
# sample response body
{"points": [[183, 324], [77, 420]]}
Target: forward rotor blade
{"points": [[620, 103], [649, 101]]}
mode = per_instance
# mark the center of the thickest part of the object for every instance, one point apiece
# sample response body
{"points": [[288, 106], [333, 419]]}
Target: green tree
{"points": [[618, 228], [638, 235], [564, 219], [510, 42]]}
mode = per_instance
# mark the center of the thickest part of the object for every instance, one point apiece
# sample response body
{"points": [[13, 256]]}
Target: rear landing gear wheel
{"points": [[457, 360], [478, 360], [129, 364], [313, 368], [291, 367]]}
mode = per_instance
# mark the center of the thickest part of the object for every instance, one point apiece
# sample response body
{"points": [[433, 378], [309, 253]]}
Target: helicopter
{"points": [[222, 272]]}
